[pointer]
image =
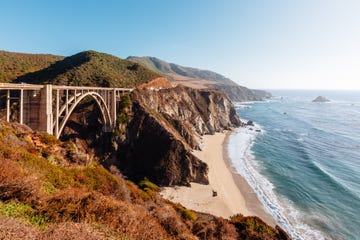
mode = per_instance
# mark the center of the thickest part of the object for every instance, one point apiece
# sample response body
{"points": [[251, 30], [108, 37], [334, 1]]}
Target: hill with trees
{"points": [[91, 68], [13, 65]]}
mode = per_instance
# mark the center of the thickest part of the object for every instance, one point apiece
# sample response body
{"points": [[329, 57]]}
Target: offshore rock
{"points": [[321, 99]]}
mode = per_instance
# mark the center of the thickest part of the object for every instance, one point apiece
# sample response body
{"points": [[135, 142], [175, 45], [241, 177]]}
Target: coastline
{"points": [[234, 195], [252, 202]]}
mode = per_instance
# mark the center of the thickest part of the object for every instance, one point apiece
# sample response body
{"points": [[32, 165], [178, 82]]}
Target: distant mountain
{"points": [[92, 68], [13, 65], [171, 70], [197, 78]]}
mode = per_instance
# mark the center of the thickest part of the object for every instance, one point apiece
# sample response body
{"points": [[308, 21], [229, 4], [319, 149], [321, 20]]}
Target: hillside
{"points": [[92, 68], [172, 71], [47, 193], [13, 65], [197, 78]]}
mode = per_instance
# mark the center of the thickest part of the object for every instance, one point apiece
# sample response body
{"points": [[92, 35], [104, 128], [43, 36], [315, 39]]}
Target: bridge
{"points": [[47, 108]]}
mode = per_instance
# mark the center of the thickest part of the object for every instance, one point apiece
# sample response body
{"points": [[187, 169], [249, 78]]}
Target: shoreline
{"points": [[251, 200], [234, 195]]}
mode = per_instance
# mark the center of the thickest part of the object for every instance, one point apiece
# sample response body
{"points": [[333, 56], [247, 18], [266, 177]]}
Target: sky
{"points": [[264, 44]]}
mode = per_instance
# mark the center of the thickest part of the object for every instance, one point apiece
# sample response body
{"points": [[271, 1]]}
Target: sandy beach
{"points": [[234, 195]]}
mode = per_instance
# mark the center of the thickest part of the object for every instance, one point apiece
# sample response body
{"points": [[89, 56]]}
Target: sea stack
{"points": [[321, 99]]}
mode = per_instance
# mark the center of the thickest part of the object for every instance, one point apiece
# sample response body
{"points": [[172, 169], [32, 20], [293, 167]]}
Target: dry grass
{"points": [[15, 184], [40, 199], [78, 205]]}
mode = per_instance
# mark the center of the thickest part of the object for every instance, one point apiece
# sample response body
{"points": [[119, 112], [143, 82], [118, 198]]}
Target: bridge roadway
{"points": [[48, 107]]}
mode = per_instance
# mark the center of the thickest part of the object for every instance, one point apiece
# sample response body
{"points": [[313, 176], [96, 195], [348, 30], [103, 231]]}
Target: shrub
{"points": [[23, 212], [125, 102], [185, 213], [14, 184], [48, 139], [147, 184], [149, 189], [122, 118]]}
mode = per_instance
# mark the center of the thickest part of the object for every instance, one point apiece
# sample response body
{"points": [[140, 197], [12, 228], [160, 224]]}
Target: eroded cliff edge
{"points": [[160, 129]]}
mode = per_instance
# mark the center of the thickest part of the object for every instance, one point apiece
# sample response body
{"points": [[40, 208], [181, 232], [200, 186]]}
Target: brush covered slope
{"points": [[14, 65], [46, 194], [91, 68], [163, 128], [197, 78]]}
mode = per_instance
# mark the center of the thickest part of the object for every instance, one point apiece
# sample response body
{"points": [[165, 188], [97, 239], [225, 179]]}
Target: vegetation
{"points": [[92, 68], [62, 200], [185, 213], [13, 65]]}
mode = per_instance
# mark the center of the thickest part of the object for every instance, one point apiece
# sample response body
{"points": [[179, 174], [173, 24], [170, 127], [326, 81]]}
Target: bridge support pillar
{"points": [[46, 115]]}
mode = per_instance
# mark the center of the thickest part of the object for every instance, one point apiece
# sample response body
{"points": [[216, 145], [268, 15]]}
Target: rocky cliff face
{"points": [[166, 125], [243, 94]]}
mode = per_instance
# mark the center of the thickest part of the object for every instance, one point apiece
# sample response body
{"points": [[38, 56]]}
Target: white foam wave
{"points": [[239, 149]]}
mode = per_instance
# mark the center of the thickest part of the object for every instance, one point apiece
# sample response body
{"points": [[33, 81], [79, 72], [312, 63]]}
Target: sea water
{"points": [[304, 164]]}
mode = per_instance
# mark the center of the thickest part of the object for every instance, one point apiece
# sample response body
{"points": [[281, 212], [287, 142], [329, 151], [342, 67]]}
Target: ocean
{"points": [[304, 161]]}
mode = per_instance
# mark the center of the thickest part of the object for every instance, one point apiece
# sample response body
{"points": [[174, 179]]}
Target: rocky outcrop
{"points": [[166, 125], [321, 99], [243, 94]]}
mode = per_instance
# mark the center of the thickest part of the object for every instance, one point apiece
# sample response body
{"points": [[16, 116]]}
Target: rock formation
{"points": [[321, 99], [166, 125]]}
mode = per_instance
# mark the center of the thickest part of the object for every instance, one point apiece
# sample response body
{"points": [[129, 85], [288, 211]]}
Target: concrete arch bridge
{"points": [[48, 107]]}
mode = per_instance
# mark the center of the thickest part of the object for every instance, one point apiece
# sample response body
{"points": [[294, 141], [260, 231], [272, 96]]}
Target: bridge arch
{"points": [[101, 103], [47, 108]]}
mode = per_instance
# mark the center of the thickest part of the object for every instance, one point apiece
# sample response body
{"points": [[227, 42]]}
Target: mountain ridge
{"points": [[197, 78], [91, 68], [14, 64], [162, 66]]}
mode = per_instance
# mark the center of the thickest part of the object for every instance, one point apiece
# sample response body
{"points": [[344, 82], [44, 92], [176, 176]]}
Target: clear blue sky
{"points": [[257, 43]]}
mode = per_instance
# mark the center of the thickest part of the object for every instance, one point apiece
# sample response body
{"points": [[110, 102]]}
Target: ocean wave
{"points": [[338, 183], [282, 210]]}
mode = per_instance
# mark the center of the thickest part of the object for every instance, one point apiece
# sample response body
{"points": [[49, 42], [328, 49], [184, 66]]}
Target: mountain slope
{"points": [[46, 194], [171, 70], [13, 65], [198, 78], [92, 68]]}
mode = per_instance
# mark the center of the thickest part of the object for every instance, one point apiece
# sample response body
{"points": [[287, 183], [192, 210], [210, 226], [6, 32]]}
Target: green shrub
{"points": [[149, 189], [48, 139], [147, 184], [125, 102], [23, 212], [185, 213], [122, 118]]}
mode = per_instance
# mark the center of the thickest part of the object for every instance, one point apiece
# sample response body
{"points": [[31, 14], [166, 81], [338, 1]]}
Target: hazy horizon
{"points": [[258, 44]]}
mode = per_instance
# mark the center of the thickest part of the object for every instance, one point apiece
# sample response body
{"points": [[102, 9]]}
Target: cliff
{"points": [[51, 189], [165, 126], [200, 79]]}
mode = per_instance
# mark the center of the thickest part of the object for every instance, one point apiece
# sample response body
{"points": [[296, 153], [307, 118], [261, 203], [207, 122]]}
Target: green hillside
{"points": [[166, 68], [13, 65], [92, 68]]}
